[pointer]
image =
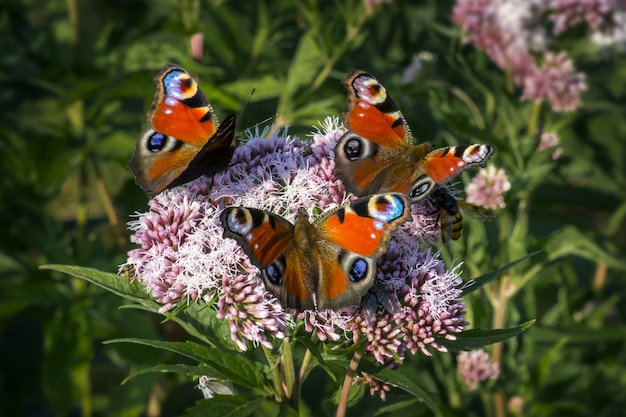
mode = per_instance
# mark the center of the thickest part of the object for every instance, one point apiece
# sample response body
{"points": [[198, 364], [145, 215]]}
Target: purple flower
{"points": [[476, 366], [184, 258]]}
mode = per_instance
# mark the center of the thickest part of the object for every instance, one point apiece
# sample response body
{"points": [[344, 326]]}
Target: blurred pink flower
{"points": [[196, 44], [557, 82], [476, 366], [184, 258], [508, 30], [569, 13], [550, 140], [487, 188]]}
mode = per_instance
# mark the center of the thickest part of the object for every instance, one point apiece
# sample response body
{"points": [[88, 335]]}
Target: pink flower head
{"points": [[550, 140], [476, 366], [557, 82], [488, 187], [569, 13], [376, 386], [183, 255], [508, 30], [196, 44]]}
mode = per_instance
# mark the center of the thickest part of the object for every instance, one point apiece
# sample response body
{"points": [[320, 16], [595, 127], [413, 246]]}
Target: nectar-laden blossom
{"points": [[183, 257], [476, 366], [487, 188]]}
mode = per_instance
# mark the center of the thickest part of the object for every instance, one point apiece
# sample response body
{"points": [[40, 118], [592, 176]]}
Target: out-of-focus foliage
{"points": [[75, 82]]}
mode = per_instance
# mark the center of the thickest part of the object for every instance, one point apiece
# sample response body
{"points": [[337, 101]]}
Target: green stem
{"points": [[533, 118], [279, 392]]}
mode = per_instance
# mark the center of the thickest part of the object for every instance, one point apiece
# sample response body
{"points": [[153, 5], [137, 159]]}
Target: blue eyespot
{"points": [[358, 270], [389, 207], [157, 142], [274, 274]]}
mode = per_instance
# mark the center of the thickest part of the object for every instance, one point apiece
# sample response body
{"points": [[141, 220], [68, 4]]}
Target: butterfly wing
{"points": [[351, 239], [377, 153], [177, 146], [443, 164], [270, 242], [371, 156]]}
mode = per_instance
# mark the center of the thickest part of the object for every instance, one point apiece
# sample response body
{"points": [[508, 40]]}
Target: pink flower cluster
{"points": [[487, 188], [511, 33], [476, 366], [183, 257]]}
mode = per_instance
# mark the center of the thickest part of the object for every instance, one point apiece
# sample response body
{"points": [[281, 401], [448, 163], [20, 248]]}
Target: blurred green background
{"points": [[76, 81]]}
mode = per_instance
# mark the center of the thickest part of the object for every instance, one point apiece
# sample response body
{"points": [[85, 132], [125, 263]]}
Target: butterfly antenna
{"points": [[245, 104]]}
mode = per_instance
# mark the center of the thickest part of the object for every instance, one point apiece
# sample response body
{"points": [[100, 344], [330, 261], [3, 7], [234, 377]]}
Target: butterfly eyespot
{"points": [[358, 270], [353, 148], [274, 272], [421, 189], [157, 142]]}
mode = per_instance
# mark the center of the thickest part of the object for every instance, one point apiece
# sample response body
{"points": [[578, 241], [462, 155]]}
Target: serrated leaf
{"points": [[475, 338], [228, 366], [490, 276]]}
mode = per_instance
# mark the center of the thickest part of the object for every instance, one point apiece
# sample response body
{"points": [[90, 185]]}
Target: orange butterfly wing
{"points": [[184, 139], [356, 235]]}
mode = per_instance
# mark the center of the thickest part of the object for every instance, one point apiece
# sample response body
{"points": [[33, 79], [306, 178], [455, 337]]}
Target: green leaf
{"points": [[225, 406], [484, 279], [189, 370], [315, 351], [228, 366], [475, 338], [391, 377], [110, 282], [68, 349], [571, 241], [399, 380]]}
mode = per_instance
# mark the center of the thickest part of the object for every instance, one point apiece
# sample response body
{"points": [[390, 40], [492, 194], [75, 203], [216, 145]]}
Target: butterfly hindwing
{"points": [[328, 264], [357, 234], [184, 139]]}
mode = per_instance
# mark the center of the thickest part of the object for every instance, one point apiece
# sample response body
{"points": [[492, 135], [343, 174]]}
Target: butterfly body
{"points": [[377, 153], [184, 139], [330, 263]]}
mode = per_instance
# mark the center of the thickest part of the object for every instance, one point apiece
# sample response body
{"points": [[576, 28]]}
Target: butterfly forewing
{"points": [[183, 110], [371, 112], [184, 139]]}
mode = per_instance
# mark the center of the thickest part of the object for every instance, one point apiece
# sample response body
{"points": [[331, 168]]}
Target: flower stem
{"points": [[533, 118], [279, 392], [347, 383]]}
